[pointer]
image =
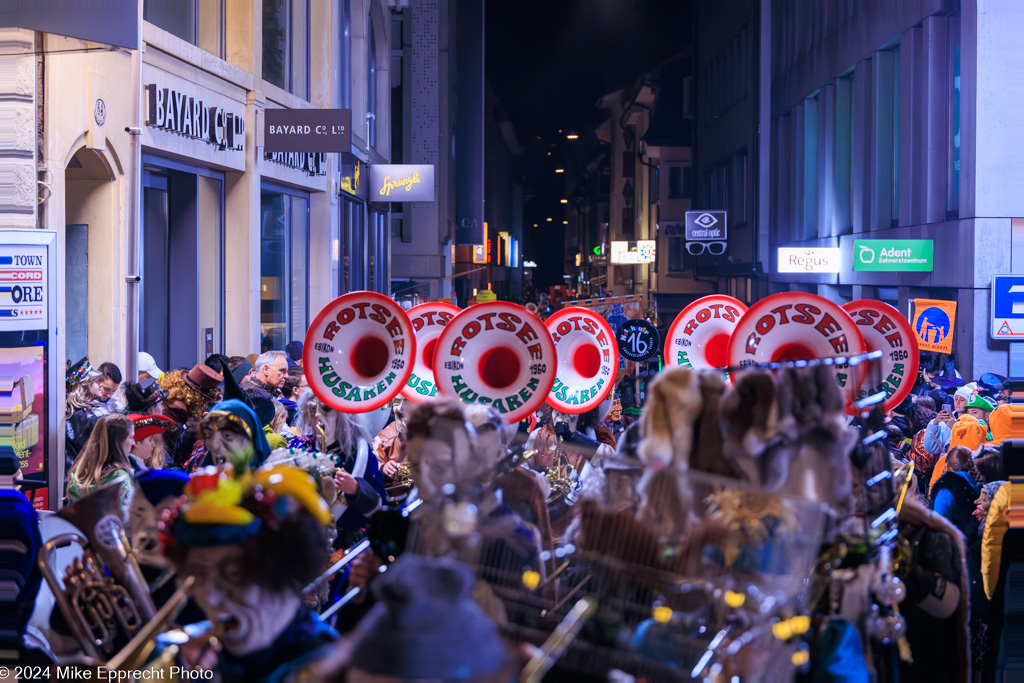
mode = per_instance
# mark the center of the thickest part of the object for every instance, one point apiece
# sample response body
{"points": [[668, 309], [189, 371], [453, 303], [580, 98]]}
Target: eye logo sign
{"points": [[706, 220], [864, 254]]}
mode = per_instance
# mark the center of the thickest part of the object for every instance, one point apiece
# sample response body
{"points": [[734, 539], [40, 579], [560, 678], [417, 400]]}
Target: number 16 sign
{"points": [[638, 340]]}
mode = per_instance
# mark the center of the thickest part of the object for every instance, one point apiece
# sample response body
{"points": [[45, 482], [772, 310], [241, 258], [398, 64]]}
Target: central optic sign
{"points": [[644, 251], [705, 226], [809, 260], [497, 354], [402, 182]]}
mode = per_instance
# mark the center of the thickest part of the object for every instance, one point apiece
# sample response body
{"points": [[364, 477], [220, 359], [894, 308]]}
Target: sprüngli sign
{"points": [[402, 183]]}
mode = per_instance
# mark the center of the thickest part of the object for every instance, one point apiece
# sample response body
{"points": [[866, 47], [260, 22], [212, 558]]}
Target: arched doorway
{"points": [[91, 248]]}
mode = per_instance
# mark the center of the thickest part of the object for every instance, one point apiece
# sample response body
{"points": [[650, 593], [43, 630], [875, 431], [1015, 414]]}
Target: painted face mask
{"points": [[228, 439], [615, 414], [246, 618]]}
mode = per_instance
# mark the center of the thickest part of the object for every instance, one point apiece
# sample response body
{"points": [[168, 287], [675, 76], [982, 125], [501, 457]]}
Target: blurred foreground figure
{"points": [[252, 543]]}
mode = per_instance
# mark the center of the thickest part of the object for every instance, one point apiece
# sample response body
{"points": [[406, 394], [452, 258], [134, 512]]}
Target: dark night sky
{"points": [[549, 61]]}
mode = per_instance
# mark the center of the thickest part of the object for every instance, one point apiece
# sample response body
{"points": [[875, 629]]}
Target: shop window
{"points": [[345, 55], [810, 168], [371, 87], [210, 200], [181, 316], [286, 45], [284, 267], [738, 194], [354, 256], [953, 201], [200, 22], [842, 216], [680, 181]]}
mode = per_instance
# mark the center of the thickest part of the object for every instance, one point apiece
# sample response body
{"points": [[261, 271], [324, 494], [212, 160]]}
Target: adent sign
{"points": [[892, 255]]}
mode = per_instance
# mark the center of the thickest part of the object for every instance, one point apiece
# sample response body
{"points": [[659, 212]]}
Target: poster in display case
{"points": [[28, 375]]}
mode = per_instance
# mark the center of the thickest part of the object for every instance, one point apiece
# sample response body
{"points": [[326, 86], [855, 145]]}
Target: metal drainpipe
{"points": [[650, 227], [134, 216]]}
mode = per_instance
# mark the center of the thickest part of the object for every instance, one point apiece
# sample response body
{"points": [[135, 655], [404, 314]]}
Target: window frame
{"points": [[289, 84], [293, 193], [193, 14]]}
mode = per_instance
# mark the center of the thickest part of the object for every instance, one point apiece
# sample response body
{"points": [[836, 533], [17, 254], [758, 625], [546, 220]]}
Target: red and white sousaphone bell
{"points": [[699, 336], [588, 359], [428, 321], [885, 329], [794, 326], [359, 352], [499, 354]]}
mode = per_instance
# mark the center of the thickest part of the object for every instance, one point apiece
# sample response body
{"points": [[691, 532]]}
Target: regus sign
{"points": [[808, 260]]}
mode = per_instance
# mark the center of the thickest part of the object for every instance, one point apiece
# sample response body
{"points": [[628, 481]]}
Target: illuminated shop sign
{"points": [[190, 117], [402, 182], [809, 260], [628, 253]]}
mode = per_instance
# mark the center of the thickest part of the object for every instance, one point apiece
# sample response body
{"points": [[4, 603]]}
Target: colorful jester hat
{"points": [[220, 508]]}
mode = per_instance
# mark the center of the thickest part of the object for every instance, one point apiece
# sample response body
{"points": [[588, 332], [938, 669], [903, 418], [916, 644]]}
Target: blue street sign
{"points": [[1008, 307]]}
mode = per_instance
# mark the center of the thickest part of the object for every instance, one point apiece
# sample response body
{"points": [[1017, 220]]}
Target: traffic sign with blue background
{"points": [[1008, 306]]}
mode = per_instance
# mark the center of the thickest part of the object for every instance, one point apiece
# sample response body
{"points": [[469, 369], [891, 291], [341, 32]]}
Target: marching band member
{"points": [[252, 543]]}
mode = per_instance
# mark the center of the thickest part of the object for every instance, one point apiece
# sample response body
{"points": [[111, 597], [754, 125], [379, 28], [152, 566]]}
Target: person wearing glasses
{"points": [[269, 374]]}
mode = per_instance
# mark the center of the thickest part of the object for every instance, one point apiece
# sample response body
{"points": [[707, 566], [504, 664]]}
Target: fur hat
{"points": [[673, 404]]}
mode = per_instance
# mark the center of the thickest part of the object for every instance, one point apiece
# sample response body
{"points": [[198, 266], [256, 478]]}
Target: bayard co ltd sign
{"points": [[308, 130], [402, 182], [191, 117]]}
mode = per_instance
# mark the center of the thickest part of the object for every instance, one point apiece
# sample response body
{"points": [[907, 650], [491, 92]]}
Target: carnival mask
{"points": [[228, 439], [621, 491], [571, 420], [615, 414], [246, 617], [143, 518], [438, 462]]}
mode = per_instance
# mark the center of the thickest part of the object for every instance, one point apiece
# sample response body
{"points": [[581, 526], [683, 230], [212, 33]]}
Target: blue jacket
{"points": [[936, 437], [953, 505]]}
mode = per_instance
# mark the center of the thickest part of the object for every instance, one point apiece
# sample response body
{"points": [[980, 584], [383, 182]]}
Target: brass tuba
{"points": [[103, 596]]}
